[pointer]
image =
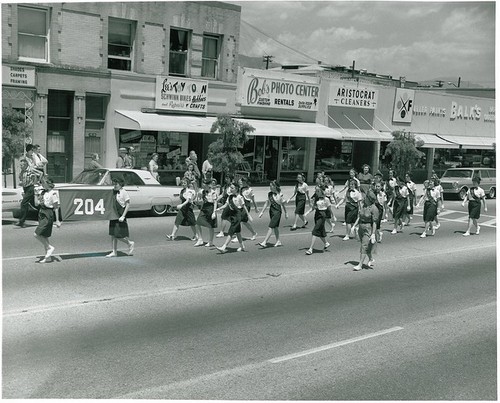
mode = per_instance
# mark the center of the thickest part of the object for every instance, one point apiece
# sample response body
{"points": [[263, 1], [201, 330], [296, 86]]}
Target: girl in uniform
{"points": [[321, 204], [390, 184], [475, 195], [430, 199], [207, 217], [118, 229], [330, 194], [437, 185], [224, 218], [276, 203], [185, 214], [236, 204], [399, 206], [367, 219], [249, 198], [301, 194], [380, 202], [412, 198], [49, 204], [352, 199]]}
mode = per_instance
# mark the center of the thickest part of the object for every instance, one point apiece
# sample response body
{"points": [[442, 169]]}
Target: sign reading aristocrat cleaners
{"points": [[279, 93], [181, 94], [19, 76], [353, 96]]}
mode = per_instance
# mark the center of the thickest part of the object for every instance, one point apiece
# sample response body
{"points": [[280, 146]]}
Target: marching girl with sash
{"points": [[224, 217], [475, 195], [207, 217], [390, 184], [118, 229], [49, 204], [380, 203], [321, 204], [276, 203], [399, 206], [430, 199], [330, 194], [185, 214], [367, 221], [437, 185], [301, 194], [412, 198], [235, 204], [249, 198], [352, 198]]}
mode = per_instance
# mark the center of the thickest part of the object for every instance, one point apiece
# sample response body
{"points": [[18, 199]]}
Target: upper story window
{"points": [[210, 56], [179, 46], [121, 35], [33, 34]]}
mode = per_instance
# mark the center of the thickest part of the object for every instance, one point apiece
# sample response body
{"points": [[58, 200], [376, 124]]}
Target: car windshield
{"points": [[458, 173], [92, 177]]}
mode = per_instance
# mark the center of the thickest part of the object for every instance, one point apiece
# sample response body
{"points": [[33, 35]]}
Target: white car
{"points": [[11, 199], [146, 193]]}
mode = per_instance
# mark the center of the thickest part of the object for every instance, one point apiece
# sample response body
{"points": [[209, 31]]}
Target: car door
{"points": [[486, 180], [132, 187]]}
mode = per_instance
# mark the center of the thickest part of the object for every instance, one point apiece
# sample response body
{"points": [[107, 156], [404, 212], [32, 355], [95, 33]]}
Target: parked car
{"points": [[457, 181], [146, 193], [11, 199]]}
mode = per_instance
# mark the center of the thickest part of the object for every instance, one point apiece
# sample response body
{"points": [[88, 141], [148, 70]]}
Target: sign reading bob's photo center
{"points": [[181, 94], [268, 92], [353, 96]]}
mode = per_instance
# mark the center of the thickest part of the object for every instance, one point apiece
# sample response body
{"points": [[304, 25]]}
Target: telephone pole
{"points": [[268, 59]]}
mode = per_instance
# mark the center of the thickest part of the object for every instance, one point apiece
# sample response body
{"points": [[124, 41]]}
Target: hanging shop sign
{"points": [[19, 76], [403, 105], [181, 94], [353, 96], [269, 92]]}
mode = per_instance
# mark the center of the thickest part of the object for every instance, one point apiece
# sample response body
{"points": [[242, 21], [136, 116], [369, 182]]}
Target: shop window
{"points": [[95, 107], [179, 46], [33, 34], [333, 155], [120, 44], [210, 56], [294, 152]]}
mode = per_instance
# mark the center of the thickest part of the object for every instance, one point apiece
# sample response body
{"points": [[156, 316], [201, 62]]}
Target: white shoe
{"points": [[234, 240], [437, 226], [424, 235], [253, 237], [208, 245], [357, 268], [263, 244], [221, 249], [220, 235], [50, 250], [433, 231], [344, 224], [466, 233], [478, 229], [346, 238], [112, 254], [371, 262], [131, 248], [309, 252], [278, 243], [199, 243], [327, 244], [241, 249], [384, 220], [195, 238], [394, 231], [380, 236]]}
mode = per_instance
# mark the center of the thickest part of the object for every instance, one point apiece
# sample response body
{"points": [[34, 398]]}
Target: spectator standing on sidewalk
{"points": [[39, 160], [49, 205], [94, 163], [276, 203], [118, 229], [120, 161], [365, 179], [475, 195]]}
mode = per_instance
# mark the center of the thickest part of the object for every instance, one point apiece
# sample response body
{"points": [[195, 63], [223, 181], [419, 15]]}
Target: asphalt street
{"points": [[178, 322]]}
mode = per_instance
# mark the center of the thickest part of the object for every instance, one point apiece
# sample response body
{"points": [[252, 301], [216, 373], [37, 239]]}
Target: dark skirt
{"points": [[411, 200], [205, 216], [45, 222], [351, 213], [380, 214], [319, 223], [235, 221], [328, 213], [275, 216], [474, 209], [118, 229], [185, 217], [430, 211], [399, 208], [225, 213], [300, 204]]}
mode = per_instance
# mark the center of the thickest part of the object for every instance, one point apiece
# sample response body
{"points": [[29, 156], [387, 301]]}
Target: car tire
{"points": [[160, 210], [462, 193], [493, 193]]}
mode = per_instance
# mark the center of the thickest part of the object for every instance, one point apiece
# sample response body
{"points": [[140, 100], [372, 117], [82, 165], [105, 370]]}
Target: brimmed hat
{"points": [[122, 150]]}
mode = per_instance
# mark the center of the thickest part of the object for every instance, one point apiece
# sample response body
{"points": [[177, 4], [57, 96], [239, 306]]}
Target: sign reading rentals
{"points": [[278, 93], [403, 105], [181, 94], [20, 76], [353, 96]]}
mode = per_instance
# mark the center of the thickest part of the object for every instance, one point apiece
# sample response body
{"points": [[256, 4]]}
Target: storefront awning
{"points": [[136, 120], [292, 129], [433, 141], [365, 135], [473, 142]]}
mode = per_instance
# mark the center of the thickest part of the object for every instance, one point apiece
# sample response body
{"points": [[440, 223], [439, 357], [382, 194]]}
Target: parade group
{"points": [[369, 201]]}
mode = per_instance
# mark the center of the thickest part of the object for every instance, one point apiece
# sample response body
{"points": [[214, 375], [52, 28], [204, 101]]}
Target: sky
{"points": [[417, 40]]}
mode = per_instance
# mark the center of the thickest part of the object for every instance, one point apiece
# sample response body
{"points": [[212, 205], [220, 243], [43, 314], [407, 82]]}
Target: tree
{"points": [[224, 153], [403, 152], [14, 132]]}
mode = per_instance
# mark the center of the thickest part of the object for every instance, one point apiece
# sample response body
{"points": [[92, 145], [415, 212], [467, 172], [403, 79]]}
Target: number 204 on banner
{"points": [[87, 204]]}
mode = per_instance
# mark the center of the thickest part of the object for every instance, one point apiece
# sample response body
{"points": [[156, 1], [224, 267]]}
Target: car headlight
{"points": [[455, 185]]}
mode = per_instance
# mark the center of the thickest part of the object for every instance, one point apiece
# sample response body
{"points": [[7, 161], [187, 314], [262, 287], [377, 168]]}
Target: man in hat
{"points": [[120, 161]]}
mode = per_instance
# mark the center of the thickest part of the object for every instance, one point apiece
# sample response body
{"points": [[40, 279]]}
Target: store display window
{"points": [[333, 155]]}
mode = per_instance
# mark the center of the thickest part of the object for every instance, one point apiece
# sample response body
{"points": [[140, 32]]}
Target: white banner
{"points": [[181, 94], [403, 105], [353, 96]]}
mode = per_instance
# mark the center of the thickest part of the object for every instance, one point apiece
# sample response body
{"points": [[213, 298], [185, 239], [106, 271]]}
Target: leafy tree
{"points": [[403, 152], [224, 153], [14, 132]]}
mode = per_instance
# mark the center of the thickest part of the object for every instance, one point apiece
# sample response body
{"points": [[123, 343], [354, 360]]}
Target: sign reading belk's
{"points": [[278, 93], [181, 94]]}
